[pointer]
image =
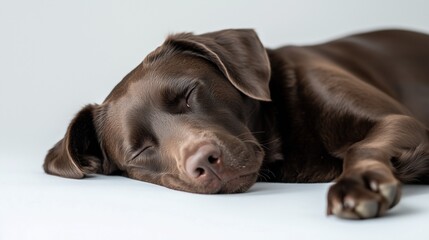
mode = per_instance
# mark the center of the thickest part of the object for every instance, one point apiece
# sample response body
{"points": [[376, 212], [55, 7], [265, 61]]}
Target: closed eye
{"points": [[140, 152], [188, 97]]}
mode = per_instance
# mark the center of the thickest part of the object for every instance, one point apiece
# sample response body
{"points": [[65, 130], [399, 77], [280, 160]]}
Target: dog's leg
{"points": [[395, 150]]}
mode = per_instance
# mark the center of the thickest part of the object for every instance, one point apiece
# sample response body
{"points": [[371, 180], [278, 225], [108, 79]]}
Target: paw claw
{"points": [[373, 185], [367, 209], [349, 202], [389, 192]]}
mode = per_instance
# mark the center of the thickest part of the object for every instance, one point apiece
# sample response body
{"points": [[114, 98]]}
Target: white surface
{"points": [[37, 206], [57, 56]]}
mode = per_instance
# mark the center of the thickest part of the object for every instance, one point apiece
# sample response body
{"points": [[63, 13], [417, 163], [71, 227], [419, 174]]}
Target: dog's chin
{"points": [[236, 185]]}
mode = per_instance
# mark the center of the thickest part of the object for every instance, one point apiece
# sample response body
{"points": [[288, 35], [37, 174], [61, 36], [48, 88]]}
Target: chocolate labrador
{"points": [[216, 112]]}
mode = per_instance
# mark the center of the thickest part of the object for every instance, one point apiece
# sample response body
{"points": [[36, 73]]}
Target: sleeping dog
{"points": [[216, 112]]}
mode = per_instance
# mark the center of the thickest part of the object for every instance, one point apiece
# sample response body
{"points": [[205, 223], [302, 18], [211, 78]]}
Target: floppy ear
{"points": [[79, 152], [239, 55]]}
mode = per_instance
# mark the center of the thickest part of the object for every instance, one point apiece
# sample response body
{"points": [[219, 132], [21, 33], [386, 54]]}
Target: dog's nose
{"points": [[205, 162]]}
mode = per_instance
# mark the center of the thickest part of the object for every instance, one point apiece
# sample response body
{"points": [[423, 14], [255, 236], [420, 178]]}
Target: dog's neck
{"points": [[265, 130], [266, 127], [264, 117]]}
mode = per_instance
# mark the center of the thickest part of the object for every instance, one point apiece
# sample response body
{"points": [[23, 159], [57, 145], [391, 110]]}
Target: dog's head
{"points": [[181, 119]]}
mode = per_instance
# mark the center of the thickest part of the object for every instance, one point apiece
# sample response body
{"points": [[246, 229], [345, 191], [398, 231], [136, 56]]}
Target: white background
{"points": [[57, 56]]}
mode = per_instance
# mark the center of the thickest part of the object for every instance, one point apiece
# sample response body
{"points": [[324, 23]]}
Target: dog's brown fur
{"points": [[215, 112]]}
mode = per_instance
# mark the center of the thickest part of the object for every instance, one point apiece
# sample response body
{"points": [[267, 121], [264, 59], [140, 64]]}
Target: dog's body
{"points": [[215, 112], [336, 92]]}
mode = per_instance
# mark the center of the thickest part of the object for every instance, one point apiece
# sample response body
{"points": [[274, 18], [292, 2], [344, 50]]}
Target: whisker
{"points": [[271, 141], [263, 177], [249, 133], [266, 174]]}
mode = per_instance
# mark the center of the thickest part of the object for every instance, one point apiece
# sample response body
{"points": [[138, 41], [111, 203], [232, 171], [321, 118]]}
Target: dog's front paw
{"points": [[367, 196]]}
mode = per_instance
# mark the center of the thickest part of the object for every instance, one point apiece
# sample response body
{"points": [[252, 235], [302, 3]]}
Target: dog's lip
{"points": [[224, 188], [239, 177]]}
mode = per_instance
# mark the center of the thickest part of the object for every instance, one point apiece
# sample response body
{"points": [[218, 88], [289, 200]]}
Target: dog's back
{"points": [[394, 61]]}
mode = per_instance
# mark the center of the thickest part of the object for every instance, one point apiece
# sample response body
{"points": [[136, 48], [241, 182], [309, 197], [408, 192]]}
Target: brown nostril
{"points": [[199, 171], [205, 161], [213, 160]]}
